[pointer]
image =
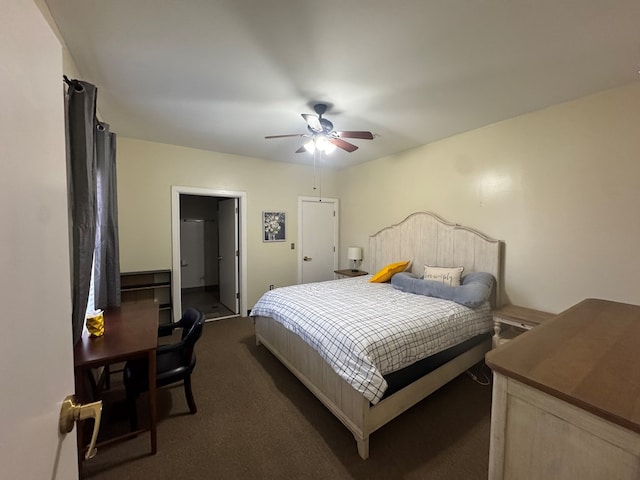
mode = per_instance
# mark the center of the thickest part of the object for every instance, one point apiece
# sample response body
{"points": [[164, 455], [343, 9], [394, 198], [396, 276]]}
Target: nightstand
{"points": [[349, 273], [516, 320]]}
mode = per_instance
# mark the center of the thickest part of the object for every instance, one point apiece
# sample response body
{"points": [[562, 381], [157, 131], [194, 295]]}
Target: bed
{"points": [[363, 407]]}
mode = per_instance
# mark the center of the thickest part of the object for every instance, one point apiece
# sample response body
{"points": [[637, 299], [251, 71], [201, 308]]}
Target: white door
{"points": [[228, 249], [318, 239], [192, 255], [35, 347]]}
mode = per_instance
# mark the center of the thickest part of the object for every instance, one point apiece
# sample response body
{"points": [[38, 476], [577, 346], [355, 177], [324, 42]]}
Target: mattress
{"points": [[368, 330]]}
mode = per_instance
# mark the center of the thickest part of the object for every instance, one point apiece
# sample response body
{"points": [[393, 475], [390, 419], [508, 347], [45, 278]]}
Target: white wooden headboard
{"points": [[426, 239]]}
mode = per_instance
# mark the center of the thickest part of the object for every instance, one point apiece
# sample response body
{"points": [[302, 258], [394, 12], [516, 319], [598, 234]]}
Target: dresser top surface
{"points": [[587, 356]]}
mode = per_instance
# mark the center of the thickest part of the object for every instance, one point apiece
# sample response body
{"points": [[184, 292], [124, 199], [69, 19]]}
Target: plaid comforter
{"points": [[366, 330]]}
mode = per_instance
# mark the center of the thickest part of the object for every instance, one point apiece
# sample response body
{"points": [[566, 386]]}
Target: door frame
{"points": [[176, 191], [336, 230]]}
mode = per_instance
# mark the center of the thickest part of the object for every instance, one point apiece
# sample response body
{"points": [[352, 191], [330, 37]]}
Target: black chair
{"points": [[174, 362]]}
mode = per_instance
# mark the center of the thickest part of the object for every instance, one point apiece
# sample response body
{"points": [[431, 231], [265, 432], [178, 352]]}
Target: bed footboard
{"points": [[347, 404]]}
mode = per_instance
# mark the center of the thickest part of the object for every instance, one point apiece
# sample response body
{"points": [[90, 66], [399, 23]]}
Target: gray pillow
{"points": [[473, 292]]}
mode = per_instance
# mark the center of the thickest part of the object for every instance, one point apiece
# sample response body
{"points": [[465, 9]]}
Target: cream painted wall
{"points": [[69, 66], [146, 172], [558, 186]]}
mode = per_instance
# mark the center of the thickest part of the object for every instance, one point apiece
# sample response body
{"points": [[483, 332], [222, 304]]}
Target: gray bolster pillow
{"points": [[473, 292]]}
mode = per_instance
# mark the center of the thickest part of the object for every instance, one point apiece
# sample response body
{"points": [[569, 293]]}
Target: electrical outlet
{"points": [[293, 246]]}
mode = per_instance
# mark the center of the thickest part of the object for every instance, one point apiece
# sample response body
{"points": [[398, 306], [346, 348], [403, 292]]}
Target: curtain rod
{"points": [[73, 83]]}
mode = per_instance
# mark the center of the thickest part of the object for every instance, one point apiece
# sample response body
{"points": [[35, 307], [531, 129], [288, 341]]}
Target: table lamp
{"points": [[354, 254]]}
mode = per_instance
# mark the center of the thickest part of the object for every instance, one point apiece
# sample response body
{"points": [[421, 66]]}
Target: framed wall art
{"points": [[273, 226]]}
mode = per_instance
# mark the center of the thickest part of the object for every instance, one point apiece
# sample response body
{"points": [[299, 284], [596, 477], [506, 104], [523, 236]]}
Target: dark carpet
{"points": [[207, 300], [255, 420]]}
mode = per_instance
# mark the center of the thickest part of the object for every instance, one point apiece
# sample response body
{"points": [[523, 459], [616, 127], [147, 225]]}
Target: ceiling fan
{"points": [[323, 136]]}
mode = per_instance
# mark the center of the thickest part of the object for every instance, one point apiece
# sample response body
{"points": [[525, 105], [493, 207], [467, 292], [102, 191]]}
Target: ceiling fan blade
{"points": [[286, 136], [313, 121], [301, 149], [338, 142], [356, 134]]}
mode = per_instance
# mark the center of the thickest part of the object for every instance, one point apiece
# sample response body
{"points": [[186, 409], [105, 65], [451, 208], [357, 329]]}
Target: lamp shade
{"points": [[354, 253]]}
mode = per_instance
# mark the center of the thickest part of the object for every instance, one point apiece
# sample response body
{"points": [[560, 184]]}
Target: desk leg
{"points": [[152, 400]]}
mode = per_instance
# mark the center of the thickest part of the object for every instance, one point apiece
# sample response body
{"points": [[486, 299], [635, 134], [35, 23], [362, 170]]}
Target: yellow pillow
{"points": [[387, 272]]}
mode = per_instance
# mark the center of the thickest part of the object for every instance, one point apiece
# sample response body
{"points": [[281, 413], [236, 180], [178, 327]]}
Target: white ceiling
{"points": [[222, 74]]}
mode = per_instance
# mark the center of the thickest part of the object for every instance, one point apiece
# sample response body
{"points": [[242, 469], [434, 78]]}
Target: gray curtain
{"points": [[81, 114], [92, 202], [106, 274]]}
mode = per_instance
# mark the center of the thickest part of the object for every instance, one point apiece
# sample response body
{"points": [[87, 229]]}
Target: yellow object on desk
{"points": [[95, 324]]}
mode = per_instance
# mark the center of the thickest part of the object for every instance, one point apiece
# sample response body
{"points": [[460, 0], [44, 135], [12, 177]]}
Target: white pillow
{"points": [[446, 275]]}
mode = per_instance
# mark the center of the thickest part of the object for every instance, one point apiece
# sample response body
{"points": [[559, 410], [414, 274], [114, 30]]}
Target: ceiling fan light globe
{"points": [[321, 143], [310, 146], [324, 145], [329, 148]]}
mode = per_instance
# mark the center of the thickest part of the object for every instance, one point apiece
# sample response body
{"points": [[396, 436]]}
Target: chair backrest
{"points": [[192, 322]]}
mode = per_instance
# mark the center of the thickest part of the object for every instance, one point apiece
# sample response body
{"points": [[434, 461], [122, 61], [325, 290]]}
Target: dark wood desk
{"points": [[130, 332]]}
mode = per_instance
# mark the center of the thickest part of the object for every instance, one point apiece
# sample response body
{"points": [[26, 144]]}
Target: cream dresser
{"points": [[566, 397]]}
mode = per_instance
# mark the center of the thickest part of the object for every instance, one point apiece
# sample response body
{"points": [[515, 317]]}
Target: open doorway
{"points": [[203, 238], [208, 252]]}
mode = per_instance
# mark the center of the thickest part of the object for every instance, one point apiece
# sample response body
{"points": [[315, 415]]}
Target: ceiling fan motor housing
{"points": [[320, 108], [327, 126]]}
